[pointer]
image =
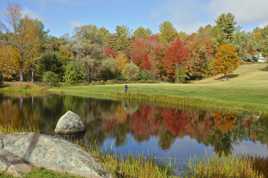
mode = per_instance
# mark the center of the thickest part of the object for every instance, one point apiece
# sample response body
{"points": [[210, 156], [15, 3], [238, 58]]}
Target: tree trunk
{"points": [[21, 75], [21, 64], [32, 76]]}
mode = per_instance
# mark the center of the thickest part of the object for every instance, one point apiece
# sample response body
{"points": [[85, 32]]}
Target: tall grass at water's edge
{"points": [[223, 167]]}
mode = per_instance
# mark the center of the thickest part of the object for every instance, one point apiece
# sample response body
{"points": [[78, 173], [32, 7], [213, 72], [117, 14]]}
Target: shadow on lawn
{"points": [[227, 77]]}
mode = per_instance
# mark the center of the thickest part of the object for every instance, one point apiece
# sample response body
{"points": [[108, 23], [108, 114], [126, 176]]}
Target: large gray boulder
{"points": [[52, 153], [70, 123], [11, 164]]}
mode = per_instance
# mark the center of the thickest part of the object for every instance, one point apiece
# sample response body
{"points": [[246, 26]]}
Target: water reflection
{"points": [[128, 128]]}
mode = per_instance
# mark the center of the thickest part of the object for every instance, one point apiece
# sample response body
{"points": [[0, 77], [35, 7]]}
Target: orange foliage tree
{"points": [[227, 59]]}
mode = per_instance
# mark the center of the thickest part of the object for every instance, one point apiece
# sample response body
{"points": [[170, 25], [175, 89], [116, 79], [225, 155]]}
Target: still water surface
{"points": [[168, 134]]}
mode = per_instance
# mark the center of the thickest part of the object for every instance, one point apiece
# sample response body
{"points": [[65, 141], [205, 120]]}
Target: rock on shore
{"points": [[50, 153]]}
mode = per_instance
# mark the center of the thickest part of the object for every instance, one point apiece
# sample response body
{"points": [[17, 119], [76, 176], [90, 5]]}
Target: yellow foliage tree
{"points": [[227, 59], [29, 39], [9, 61], [121, 61], [23, 34]]}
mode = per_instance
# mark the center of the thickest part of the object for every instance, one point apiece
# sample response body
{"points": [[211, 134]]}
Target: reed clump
{"points": [[129, 167], [223, 167]]}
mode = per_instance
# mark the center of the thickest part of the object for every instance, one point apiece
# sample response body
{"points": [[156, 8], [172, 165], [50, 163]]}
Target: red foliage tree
{"points": [[109, 52], [175, 121], [148, 53], [139, 53], [175, 54], [143, 123]]}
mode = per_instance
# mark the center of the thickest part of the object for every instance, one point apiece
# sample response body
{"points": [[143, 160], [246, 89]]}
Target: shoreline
{"points": [[166, 95]]}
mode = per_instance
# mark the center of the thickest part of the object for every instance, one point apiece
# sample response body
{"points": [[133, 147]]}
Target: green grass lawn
{"points": [[42, 173], [247, 91]]}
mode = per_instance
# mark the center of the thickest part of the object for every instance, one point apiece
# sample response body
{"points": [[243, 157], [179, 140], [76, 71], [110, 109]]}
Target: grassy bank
{"points": [[246, 91], [23, 89]]}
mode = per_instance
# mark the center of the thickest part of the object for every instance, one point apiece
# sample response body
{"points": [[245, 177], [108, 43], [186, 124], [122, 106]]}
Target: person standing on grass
{"points": [[126, 88]]}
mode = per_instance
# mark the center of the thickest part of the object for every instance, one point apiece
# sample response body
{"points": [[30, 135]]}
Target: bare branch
{"points": [[14, 15]]}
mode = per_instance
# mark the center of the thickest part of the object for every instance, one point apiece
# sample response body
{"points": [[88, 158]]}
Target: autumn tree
{"points": [[227, 59], [9, 58], [121, 61], [148, 55], [30, 39], [24, 34], [109, 52], [201, 53], [60, 45], [168, 33], [260, 40], [175, 56], [140, 53]]}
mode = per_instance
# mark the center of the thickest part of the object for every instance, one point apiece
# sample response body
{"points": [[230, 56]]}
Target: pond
{"points": [[170, 135]]}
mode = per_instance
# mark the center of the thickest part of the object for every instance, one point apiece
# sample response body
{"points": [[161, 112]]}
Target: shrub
{"points": [[74, 73], [144, 75], [51, 78], [131, 72], [109, 69]]}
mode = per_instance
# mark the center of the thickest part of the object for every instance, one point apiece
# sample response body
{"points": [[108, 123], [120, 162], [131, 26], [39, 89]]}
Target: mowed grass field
{"points": [[247, 91]]}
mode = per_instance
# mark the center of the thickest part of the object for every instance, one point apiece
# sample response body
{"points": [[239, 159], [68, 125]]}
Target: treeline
{"points": [[28, 52]]}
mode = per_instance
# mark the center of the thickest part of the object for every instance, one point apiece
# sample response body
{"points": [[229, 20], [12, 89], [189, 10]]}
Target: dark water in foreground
{"points": [[168, 134]]}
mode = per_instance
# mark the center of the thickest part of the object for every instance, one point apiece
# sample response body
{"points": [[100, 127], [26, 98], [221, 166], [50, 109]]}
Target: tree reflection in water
{"points": [[121, 120]]}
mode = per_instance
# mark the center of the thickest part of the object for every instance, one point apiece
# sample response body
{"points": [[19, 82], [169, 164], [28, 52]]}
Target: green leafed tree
{"points": [[142, 32], [89, 41], [74, 73], [225, 28], [50, 62], [120, 40], [168, 32]]}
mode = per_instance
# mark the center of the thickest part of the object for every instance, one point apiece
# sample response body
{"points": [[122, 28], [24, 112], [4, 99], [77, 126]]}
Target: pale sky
{"points": [[61, 16]]}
